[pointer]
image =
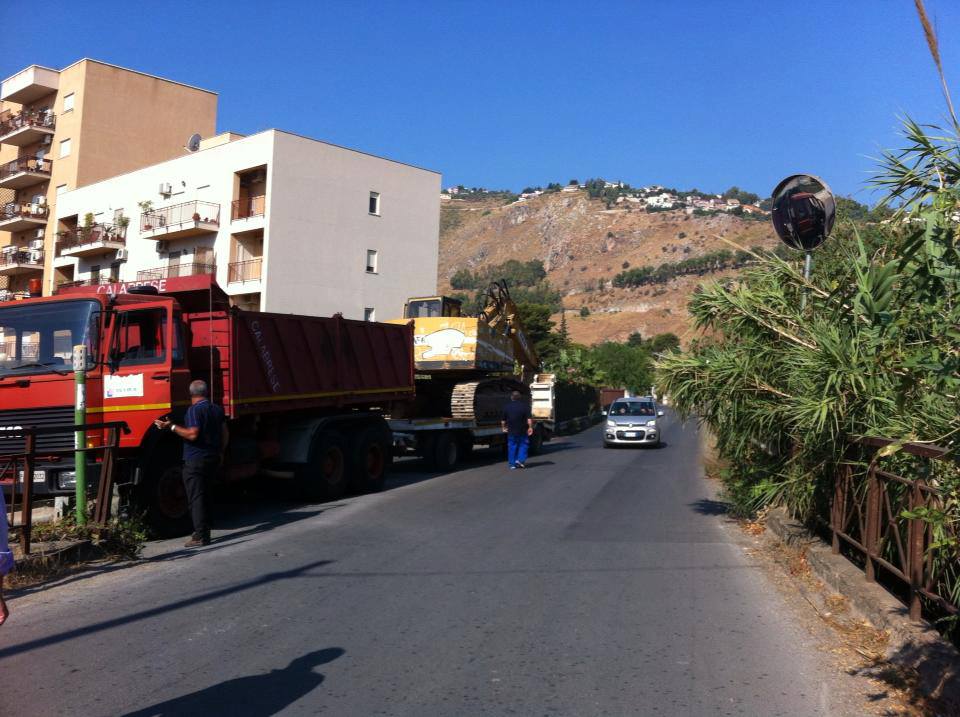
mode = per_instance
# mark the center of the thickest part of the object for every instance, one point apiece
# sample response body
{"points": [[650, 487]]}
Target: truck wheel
{"points": [[446, 452], [324, 476], [370, 459], [163, 499]]}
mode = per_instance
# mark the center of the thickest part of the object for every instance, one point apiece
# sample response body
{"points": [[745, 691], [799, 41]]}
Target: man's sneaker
{"points": [[520, 465], [197, 541], [513, 468]]}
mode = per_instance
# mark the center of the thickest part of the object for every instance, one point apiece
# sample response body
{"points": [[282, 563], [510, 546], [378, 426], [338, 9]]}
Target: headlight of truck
{"points": [[651, 424], [66, 479]]}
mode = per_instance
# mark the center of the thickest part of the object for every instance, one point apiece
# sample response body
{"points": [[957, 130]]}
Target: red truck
{"points": [[305, 396]]}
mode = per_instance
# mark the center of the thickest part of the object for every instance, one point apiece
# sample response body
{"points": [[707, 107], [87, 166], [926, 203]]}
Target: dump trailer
{"points": [[305, 397]]}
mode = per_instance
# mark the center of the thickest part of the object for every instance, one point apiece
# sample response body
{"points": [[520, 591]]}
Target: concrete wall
{"points": [[318, 215]]}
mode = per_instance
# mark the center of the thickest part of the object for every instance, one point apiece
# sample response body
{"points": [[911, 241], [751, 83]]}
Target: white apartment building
{"points": [[286, 223]]}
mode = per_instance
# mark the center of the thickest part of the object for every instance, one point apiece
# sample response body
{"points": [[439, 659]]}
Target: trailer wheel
{"points": [[163, 497], [324, 476], [446, 451], [370, 459]]}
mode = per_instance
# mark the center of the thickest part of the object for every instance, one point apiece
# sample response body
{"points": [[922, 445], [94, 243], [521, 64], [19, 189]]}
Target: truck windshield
{"points": [[39, 338]]}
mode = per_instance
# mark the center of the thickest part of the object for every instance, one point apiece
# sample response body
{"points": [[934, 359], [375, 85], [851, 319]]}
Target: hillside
{"points": [[581, 242]]}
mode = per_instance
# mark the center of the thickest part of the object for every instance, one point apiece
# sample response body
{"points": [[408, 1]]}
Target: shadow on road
{"points": [[255, 695], [705, 506], [54, 639]]}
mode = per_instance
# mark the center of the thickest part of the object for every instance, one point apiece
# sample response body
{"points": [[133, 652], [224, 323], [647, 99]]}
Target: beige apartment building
{"points": [[64, 129]]}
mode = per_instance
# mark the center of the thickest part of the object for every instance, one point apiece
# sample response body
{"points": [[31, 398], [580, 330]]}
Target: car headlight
{"points": [[651, 424], [611, 424]]}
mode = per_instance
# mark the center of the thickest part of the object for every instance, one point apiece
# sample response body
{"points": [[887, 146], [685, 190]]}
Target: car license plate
{"points": [[630, 434]]}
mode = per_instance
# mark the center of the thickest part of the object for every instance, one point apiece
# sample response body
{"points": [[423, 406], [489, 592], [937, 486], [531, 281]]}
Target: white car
{"points": [[631, 422]]}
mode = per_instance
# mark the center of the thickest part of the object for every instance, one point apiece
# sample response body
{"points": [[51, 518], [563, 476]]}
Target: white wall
{"points": [[320, 231]]}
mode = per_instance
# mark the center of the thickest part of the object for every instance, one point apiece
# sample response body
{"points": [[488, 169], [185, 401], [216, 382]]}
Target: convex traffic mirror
{"points": [[803, 211]]}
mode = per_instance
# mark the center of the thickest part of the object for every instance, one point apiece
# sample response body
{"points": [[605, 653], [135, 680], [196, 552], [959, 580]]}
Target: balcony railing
{"points": [[27, 119], [21, 257], [21, 165], [248, 207], [13, 210], [176, 270], [112, 234], [239, 271], [178, 217], [95, 281]]}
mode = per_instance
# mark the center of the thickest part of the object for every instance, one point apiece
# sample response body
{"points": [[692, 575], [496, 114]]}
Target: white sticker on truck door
{"points": [[115, 386]]}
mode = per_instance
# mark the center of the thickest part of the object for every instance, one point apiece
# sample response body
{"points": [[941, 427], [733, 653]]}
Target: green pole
{"points": [[80, 438]]}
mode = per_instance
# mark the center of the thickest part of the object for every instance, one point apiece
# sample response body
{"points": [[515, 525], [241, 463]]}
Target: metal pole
{"points": [[80, 437], [808, 261]]}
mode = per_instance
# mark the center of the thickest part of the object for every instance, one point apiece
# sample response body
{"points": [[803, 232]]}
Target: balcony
{"points": [[242, 271], [29, 85], [17, 260], [24, 172], [16, 217], [180, 220], [248, 207], [26, 127], [174, 271], [89, 241]]}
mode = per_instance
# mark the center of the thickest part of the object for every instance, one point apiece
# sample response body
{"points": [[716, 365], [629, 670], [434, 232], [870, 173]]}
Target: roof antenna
{"points": [[193, 144]]}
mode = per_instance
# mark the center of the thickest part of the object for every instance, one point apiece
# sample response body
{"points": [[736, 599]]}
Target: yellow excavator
{"points": [[466, 365]]}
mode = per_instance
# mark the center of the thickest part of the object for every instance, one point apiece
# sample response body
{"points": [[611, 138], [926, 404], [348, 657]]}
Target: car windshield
{"points": [[632, 408], [39, 338]]}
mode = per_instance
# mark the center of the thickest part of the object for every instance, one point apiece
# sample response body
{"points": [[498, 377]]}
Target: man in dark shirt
{"points": [[204, 435], [517, 423]]}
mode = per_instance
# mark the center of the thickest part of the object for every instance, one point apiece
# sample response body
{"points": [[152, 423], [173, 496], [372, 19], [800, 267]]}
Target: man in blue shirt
{"points": [[204, 435], [517, 423]]}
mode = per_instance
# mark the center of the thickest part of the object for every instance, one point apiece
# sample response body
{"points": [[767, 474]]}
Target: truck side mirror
{"points": [[603, 412], [659, 413]]}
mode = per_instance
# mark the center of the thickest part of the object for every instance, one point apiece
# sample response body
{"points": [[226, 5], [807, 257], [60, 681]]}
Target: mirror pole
{"points": [[807, 263]]}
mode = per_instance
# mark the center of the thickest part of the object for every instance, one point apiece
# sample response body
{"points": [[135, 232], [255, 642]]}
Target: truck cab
{"points": [[432, 307]]}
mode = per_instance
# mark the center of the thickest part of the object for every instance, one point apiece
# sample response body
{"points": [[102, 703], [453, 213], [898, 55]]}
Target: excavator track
{"points": [[483, 401]]}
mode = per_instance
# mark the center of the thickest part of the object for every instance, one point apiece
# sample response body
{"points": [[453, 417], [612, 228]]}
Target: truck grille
{"points": [[37, 418]]}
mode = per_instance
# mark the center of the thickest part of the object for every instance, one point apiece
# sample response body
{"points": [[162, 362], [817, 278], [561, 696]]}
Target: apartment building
{"points": [[284, 223], [63, 129]]}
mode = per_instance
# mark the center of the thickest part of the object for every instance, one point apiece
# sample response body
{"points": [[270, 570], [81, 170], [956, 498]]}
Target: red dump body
{"points": [[264, 363]]}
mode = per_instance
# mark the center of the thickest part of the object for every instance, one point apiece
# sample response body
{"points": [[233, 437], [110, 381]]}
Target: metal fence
{"points": [[179, 214], [18, 467], [248, 207], [29, 257], [26, 118], [82, 236], [173, 271], [239, 271], [868, 515], [25, 164]]}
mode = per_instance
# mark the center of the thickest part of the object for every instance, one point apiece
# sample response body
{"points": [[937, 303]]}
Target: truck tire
{"points": [[324, 477], [370, 457], [162, 498], [446, 451]]}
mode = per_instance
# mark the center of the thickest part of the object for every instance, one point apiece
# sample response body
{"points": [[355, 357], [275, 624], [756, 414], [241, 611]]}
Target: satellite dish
{"points": [[193, 144], [803, 211]]}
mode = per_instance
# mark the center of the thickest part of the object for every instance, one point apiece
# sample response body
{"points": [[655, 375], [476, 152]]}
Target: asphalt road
{"points": [[596, 582]]}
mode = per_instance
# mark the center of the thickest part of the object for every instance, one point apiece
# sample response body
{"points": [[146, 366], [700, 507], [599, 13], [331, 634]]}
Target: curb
{"points": [[45, 555], [913, 645]]}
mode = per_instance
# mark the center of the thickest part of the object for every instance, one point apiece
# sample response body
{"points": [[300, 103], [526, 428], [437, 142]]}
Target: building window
{"points": [[375, 203], [64, 148], [369, 314], [371, 261], [68, 102], [95, 273]]}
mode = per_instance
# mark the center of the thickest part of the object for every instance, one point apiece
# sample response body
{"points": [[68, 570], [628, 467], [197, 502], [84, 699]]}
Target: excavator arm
{"points": [[501, 313]]}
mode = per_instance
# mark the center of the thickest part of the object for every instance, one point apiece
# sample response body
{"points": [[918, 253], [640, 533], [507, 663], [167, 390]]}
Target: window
{"points": [[371, 261], [375, 203], [369, 314], [68, 102], [64, 148], [140, 337], [95, 273]]}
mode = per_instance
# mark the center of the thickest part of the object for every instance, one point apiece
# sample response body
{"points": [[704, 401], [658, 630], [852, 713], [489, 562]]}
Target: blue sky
{"points": [[506, 94]]}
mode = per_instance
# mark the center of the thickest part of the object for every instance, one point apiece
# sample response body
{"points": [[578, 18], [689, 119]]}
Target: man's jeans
{"points": [[517, 449]]}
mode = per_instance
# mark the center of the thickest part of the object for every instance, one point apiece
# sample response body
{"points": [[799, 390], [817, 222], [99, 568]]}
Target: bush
{"points": [[584, 312]]}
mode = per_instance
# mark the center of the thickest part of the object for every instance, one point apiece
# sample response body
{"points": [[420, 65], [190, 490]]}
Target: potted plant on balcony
{"points": [[146, 206], [87, 229], [122, 223], [196, 217]]}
